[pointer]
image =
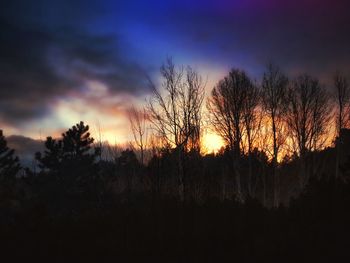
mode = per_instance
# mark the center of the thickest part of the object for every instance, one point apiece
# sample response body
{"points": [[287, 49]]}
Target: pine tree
{"points": [[53, 155], [77, 144], [71, 158], [9, 163], [73, 153]]}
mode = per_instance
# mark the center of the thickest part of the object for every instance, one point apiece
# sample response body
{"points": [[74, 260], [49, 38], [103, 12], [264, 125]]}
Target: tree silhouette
{"points": [[308, 113], [74, 147], [252, 118], [226, 106], [72, 160], [9, 163], [307, 117], [137, 119], [77, 144], [342, 101], [232, 107], [53, 156], [176, 116], [274, 88]]}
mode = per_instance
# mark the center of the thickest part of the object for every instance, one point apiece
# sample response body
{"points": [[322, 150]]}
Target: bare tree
{"points": [[308, 113], [138, 119], [191, 97], [176, 115], [274, 87], [307, 117], [342, 100], [251, 116], [228, 108], [231, 108], [252, 122], [99, 141]]}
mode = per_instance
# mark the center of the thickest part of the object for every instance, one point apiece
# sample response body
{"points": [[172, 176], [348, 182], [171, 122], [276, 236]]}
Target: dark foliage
{"points": [[69, 172], [9, 163], [83, 208]]}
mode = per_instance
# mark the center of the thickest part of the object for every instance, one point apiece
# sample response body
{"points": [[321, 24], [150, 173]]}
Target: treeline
{"points": [[82, 206], [270, 123], [275, 135], [276, 190]]}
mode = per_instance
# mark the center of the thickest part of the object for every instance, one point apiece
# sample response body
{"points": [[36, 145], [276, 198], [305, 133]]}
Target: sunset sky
{"points": [[66, 61]]}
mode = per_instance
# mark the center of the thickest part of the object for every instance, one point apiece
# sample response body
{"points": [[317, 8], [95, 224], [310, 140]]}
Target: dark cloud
{"points": [[25, 148], [26, 80], [80, 56], [49, 49], [40, 65]]}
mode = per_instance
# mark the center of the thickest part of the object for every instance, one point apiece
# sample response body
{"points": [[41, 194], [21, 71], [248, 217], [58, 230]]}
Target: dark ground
{"points": [[314, 228]]}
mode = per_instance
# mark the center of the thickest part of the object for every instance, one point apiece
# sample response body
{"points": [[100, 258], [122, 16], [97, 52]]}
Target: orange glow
{"points": [[212, 143]]}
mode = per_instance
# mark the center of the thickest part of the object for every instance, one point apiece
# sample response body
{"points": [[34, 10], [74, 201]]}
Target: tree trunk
{"points": [[338, 144], [274, 164], [181, 176], [337, 157], [250, 182], [264, 188]]}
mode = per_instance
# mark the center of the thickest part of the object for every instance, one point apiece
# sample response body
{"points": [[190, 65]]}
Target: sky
{"points": [[65, 61]]}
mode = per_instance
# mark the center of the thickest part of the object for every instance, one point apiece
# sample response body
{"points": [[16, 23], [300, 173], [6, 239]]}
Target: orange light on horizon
{"points": [[212, 143]]}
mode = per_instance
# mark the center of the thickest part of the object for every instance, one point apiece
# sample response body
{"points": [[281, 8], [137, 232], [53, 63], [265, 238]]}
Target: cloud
{"points": [[39, 66], [25, 148], [59, 55]]}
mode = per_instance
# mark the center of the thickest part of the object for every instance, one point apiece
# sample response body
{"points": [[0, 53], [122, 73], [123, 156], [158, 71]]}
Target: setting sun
{"points": [[212, 143]]}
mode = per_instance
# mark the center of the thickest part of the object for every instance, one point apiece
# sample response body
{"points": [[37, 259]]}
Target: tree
{"points": [[69, 176], [176, 115], [342, 100], [252, 122], [251, 116], [137, 119], [128, 166], [53, 156], [9, 163], [274, 88], [308, 113], [232, 107], [307, 117], [226, 108], [192, 97], [71, 157], [77, 144]]}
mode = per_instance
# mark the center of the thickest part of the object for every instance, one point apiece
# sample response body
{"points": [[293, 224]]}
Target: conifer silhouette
{"points": [[9, 163], [74, 147]]}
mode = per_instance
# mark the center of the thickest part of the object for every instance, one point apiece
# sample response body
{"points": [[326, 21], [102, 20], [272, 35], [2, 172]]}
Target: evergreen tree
{"points": [[69, 170], [53, 155], [9, 163], [77, 143], [75, 148], [71, 158]]}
